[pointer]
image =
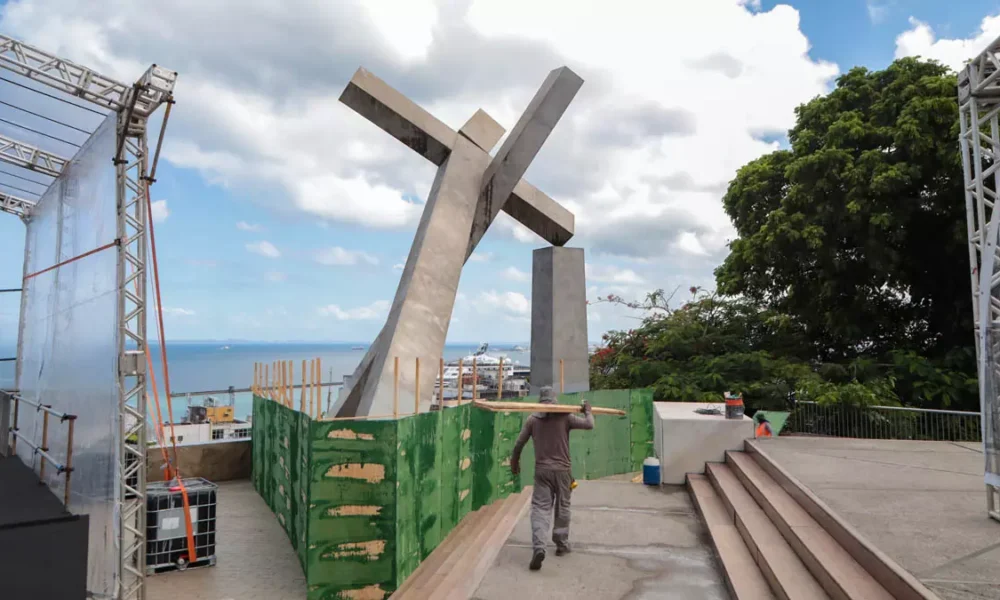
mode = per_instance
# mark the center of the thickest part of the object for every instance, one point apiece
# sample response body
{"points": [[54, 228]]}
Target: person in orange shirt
{"points": [[763, 427]]}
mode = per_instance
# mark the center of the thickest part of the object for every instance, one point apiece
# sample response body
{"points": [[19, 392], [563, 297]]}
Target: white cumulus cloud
{"points": [[160, 211], [337, 256], [920, 40], [275, 276], [244, 226], [375, 310], [637, 157], [610, 274], [264, 248], [515, 274], [510, 304], [178, 312]]}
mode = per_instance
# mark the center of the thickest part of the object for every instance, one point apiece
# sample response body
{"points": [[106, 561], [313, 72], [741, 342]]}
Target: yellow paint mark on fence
{"points": [[466, 434], [506, 462], [354, 510], [466, 463], [372, 473], [462, 495], [371, 549], [347, 434], [371, 592]]}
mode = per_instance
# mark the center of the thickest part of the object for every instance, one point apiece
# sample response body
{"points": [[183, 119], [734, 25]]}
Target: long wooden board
{"points": [[547, 408]]}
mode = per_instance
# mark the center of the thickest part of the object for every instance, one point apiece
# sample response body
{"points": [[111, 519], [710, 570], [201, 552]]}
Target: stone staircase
{"points": [[776, 539], [455, 568]]}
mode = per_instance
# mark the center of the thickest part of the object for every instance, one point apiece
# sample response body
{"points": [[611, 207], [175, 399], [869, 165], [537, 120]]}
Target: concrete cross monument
{"points": [[470, 189]]}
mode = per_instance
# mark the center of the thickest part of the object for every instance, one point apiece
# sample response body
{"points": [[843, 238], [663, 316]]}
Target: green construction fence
{"points": [[364, 502]]}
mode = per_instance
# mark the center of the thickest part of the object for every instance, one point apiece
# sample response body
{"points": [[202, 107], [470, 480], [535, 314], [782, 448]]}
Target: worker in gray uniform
{"points": [[553, 477]]}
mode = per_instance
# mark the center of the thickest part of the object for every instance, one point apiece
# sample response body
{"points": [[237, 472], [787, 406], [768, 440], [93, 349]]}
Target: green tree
{"points": [[848, 281], [708, 346], [858, 230]]}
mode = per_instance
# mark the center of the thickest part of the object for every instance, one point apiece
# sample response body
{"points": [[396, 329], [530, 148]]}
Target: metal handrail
{"points": [[43, 449], [43, 452], [243, 390], [38, 406], [884, 422], [963, 413]]}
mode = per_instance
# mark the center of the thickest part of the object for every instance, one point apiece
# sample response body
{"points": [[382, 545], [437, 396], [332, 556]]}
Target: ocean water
{"points": [[201, 366]]}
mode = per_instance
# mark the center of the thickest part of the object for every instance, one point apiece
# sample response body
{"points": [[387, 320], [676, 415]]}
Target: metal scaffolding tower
{"points": [[979, 139], [133, 104]]}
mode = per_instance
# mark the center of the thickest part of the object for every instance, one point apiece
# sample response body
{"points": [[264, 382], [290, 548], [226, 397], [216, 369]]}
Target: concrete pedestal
{"points": [[685, 440], [559, 320]]}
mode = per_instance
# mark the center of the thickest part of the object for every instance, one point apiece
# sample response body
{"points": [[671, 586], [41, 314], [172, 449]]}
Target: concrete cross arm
{"points": [[404, 120]]}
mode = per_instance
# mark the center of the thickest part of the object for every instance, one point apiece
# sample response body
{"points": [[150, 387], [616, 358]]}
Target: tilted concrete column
{"points": [[559, 320]]}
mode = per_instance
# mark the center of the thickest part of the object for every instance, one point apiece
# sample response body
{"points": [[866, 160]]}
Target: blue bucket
{"points": [[651, 471]]}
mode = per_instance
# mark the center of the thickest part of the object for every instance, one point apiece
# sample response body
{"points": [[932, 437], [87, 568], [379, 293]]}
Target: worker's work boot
{"points": [[563, 550], [536, 560]]}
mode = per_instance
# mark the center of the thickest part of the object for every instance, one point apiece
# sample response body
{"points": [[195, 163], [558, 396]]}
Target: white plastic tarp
{"points": [[69, 342]]}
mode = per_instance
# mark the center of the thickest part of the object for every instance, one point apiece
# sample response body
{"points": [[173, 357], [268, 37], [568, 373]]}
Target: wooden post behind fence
{"points": [[302, 396], [290, 385], [500, 380], [441, 384], [281, 383], [319, 387], [395, 387], [475, 380], [416, 389], [312, 387], [461, 383]]}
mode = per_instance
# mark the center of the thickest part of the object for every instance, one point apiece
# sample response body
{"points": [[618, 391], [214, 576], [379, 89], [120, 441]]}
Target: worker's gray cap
{"points": [[546, 395]]}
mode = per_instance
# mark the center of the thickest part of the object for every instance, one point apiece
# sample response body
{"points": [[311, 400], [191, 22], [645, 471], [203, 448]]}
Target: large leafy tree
{"points": [[848, 280], [858, 230]]}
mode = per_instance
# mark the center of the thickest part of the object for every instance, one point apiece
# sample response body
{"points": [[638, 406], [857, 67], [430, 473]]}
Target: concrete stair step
{"points": [[834, 568], [744, 577], [786, 574]]}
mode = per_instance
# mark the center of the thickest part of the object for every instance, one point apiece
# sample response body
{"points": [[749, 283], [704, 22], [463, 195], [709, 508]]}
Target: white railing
{"points": [[884, 422]]}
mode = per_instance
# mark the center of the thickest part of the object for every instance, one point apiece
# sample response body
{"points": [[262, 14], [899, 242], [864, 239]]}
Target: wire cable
{"points": [[58, 139], [41, 183], [53, 96], [20, 189], [34, 114]]}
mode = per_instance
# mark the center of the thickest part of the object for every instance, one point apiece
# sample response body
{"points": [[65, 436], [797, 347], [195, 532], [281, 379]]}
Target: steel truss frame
{"points": [[16, 206], [979, 140], [134, 104], [28, 157]]}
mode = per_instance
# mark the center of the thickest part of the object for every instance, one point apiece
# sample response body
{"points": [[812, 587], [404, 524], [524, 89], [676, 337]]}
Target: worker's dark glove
{"points": [[586, 407]]}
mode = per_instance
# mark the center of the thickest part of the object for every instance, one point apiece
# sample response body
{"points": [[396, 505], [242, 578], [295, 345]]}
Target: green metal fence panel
{"points": [[352, 508], [364, 502], [641, 426], [482, 426]]}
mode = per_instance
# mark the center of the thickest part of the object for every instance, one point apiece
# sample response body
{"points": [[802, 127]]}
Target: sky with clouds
{"points": [[283, 215]]}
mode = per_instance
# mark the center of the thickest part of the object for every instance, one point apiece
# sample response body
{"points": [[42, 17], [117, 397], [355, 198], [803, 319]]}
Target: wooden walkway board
{"points": [[455, 568]]}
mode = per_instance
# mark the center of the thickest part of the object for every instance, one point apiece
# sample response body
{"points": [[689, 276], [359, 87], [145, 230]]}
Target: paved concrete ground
{"points": [[255, 558], [922, 503], [629, 542]]}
